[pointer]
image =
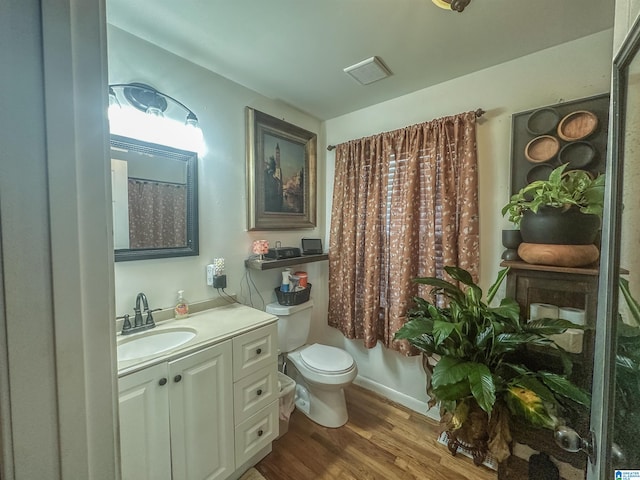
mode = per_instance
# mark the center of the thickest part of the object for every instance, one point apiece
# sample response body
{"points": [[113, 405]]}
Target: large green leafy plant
{"points": [[476, 348], [627, 391], [563, 189]]}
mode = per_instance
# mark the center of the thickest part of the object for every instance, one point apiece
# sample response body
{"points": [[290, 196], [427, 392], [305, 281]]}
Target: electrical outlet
{"points": [[220, 281], [210, 274]]}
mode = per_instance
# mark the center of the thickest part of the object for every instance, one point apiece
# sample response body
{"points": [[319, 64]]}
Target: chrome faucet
{"points": [[139, 324]]}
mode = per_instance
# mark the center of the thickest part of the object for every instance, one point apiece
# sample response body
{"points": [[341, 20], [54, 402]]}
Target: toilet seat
{"points": [[326, 360]]}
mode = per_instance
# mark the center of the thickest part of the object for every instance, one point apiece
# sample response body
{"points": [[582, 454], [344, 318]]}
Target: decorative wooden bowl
{"points": [[539, 172], [558, 255], [577, 125], [579, 155], [542, 149], [542, 121]]}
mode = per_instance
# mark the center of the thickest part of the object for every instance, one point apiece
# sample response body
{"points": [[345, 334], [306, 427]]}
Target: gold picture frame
{"points": [[281, 174]]}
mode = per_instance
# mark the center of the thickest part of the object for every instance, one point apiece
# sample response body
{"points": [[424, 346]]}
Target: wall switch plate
{"points": [[210, 274]]}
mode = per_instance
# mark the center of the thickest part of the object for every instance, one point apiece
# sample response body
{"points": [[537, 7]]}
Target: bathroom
{"points": [[220, 107]]}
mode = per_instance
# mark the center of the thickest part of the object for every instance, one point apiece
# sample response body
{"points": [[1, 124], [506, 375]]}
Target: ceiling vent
{"points": [[368, 71]]}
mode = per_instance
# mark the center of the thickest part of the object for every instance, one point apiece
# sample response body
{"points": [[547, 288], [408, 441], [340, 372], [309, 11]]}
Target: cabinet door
{"points": [[144, 425], [201, 409]]}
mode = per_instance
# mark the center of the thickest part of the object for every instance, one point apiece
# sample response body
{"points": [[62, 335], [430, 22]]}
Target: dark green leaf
{"points": [[448, 288], [482, 386], [414, 328], [449, 370], [549, 326], [633, 305], [532, 383], [561, 386], [453, 391], [460, 275], [493, 289], [442, 330]]}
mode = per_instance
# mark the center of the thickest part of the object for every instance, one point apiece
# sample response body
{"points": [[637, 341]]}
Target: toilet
{"points": [[321, 372]]}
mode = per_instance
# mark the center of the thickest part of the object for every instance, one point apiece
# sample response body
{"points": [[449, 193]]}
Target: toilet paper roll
{"points": [[571, 340], [575, 315], [542, 310]]}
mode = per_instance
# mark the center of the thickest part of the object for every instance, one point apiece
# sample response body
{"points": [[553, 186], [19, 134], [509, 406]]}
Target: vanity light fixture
{"points": [[149, 100], [457, 5]]}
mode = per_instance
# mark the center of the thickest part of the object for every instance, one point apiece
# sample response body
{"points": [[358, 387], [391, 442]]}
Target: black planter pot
{"points": [[559, 227], [511, 240]]}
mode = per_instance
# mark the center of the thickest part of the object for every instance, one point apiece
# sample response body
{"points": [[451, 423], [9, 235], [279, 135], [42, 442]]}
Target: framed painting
{"points": [[281, 174]]}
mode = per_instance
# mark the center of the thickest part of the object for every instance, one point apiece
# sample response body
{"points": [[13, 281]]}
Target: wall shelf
{"points": [[256, 264]]}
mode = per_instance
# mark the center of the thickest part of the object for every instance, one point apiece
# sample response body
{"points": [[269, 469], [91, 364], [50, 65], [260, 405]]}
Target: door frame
{"points": [[603, 388]]}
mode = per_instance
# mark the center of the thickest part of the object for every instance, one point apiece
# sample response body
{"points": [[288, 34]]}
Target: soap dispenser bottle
{"points": [[182, 307]]}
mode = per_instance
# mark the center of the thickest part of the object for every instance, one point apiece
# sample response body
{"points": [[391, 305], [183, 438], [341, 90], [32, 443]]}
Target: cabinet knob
{"points": [[177, 378], [260, 433], [162, 381], [258, 351], [259, 392]]}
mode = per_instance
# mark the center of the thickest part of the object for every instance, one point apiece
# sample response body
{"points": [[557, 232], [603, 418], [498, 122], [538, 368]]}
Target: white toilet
{"points": [[320, 372]]}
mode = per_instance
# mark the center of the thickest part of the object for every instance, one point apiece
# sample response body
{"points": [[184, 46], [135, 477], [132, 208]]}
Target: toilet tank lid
{"points": [[282, 310]]}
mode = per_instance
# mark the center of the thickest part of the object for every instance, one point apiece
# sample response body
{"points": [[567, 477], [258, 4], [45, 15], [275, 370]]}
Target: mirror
{"points": [[617, 392], [155, 200]]}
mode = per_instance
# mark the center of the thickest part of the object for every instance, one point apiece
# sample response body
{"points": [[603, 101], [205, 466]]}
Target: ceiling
{"points": [[295, 50]]}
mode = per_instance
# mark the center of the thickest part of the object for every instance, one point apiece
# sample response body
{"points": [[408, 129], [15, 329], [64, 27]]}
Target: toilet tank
{"points": [[293, 324]]}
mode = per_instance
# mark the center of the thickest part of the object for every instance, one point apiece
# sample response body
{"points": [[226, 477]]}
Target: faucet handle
{"points": [[150, 317], [126, 324]]}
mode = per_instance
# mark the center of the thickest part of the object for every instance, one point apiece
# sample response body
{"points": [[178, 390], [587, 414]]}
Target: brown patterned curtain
{"points": [[405, 204], [157, 214]]}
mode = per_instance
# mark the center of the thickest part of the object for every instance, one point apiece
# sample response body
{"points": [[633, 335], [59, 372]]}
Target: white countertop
{"points": [[212, 326]]}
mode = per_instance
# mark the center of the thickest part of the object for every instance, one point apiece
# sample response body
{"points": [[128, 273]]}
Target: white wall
{"points": [[220, 107], [627, 12], [571, 71]]}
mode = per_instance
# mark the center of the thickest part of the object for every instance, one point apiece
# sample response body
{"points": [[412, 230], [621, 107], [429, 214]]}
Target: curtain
{"points": [[157, 214], [405, 204]]}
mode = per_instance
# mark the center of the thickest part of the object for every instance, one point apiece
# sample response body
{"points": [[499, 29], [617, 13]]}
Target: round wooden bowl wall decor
{"points": [[577, 125], [542, 121], [539, 172], [579, 155], [542, 149]]}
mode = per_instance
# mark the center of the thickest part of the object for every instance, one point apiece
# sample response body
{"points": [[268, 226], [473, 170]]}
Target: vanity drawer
{"points": [[256, 433], [254, 392], [255, 350]]}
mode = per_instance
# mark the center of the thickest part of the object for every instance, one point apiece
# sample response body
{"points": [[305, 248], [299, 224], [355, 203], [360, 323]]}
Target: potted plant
{"points": [[477, 379], [565, 209]]}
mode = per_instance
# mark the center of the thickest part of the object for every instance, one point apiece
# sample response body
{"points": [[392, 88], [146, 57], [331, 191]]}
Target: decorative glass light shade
{"points": [[260, 247]]}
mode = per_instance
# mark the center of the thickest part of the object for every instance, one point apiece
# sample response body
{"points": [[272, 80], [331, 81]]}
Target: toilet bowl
{"points": [[321, 372]]}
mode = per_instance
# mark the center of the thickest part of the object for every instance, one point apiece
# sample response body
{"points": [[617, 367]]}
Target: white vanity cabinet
{"points": [[174, 418], [208, 415]]}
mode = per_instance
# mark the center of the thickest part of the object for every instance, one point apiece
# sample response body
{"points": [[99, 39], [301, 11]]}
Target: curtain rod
{"points": [[479, 112]]}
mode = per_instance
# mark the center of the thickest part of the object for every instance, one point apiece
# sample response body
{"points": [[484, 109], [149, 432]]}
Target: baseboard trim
{"points": [[398, 397]]}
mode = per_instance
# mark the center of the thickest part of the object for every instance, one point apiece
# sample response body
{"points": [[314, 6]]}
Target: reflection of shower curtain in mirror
{"points": [[157, 214]]}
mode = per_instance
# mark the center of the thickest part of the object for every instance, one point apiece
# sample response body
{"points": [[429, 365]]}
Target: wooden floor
{"points": [[382, 440]]}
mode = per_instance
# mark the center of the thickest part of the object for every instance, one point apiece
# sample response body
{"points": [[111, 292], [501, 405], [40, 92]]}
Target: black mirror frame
{"points": [[191, 159]]}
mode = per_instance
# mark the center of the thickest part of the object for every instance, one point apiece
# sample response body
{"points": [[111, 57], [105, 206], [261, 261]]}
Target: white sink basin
{"points": [[153, 342]]}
